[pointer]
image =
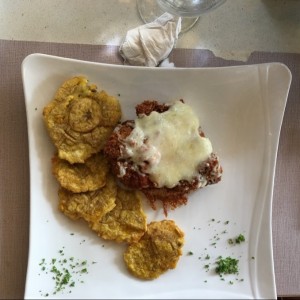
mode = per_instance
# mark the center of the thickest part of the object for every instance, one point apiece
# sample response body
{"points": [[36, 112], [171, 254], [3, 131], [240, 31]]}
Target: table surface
{"points": [[239, 32], [233, 31]]}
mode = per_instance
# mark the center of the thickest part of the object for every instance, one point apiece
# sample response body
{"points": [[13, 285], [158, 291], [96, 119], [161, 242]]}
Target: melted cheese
{"points": [[167, 146]]}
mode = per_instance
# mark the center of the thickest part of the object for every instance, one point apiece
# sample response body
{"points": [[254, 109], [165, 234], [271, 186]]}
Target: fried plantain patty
{"points": [[81, 177], [91, 206], [157, 251], [80, 119], [126, 222]]}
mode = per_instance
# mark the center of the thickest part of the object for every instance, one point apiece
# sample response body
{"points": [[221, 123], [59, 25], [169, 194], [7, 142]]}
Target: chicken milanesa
{"points": [[132, 176]]}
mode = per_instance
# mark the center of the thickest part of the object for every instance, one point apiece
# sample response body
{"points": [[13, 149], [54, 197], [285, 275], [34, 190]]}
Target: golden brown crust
{"points": [[148, 106], [126, 222], [80, 119], [90, 206], [78, 177], [157, 251]]}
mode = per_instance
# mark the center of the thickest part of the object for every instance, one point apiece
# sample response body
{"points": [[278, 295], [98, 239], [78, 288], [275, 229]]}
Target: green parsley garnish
{"points": [[240, 239], [227, 265], [230, 241], [64, 272]]}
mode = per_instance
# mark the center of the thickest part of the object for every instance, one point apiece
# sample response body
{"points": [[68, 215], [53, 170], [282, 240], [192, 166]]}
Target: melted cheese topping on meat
{"points": [[167, 146]]}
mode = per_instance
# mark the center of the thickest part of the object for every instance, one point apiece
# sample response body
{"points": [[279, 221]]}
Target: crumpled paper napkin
{"points": [[150, 44]]}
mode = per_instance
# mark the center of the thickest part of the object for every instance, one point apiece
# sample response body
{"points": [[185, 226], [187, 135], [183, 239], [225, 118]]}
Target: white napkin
{"points": [[149, 44]]}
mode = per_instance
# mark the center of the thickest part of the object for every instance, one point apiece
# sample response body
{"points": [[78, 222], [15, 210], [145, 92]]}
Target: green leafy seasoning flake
{"points": [[240, 239], [223, 265], [64, 272], [230, 241], [227, 265]]}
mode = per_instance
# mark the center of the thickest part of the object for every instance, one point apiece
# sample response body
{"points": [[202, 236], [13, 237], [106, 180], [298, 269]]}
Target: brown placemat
{"points": [[14, 165]]}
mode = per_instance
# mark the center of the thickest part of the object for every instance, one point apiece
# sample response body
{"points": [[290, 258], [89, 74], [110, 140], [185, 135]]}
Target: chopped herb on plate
{"points": [[227, 265]]}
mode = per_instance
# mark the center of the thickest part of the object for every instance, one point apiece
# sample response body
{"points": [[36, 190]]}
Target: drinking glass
{"points": [[188, 10]]}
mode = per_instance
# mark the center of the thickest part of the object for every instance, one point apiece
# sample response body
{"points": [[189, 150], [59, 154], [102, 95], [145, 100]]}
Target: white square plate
{"points": [[240, 109]]}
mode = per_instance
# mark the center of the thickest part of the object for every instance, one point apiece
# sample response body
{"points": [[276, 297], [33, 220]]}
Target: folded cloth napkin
{"points": [[149, 44]]}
